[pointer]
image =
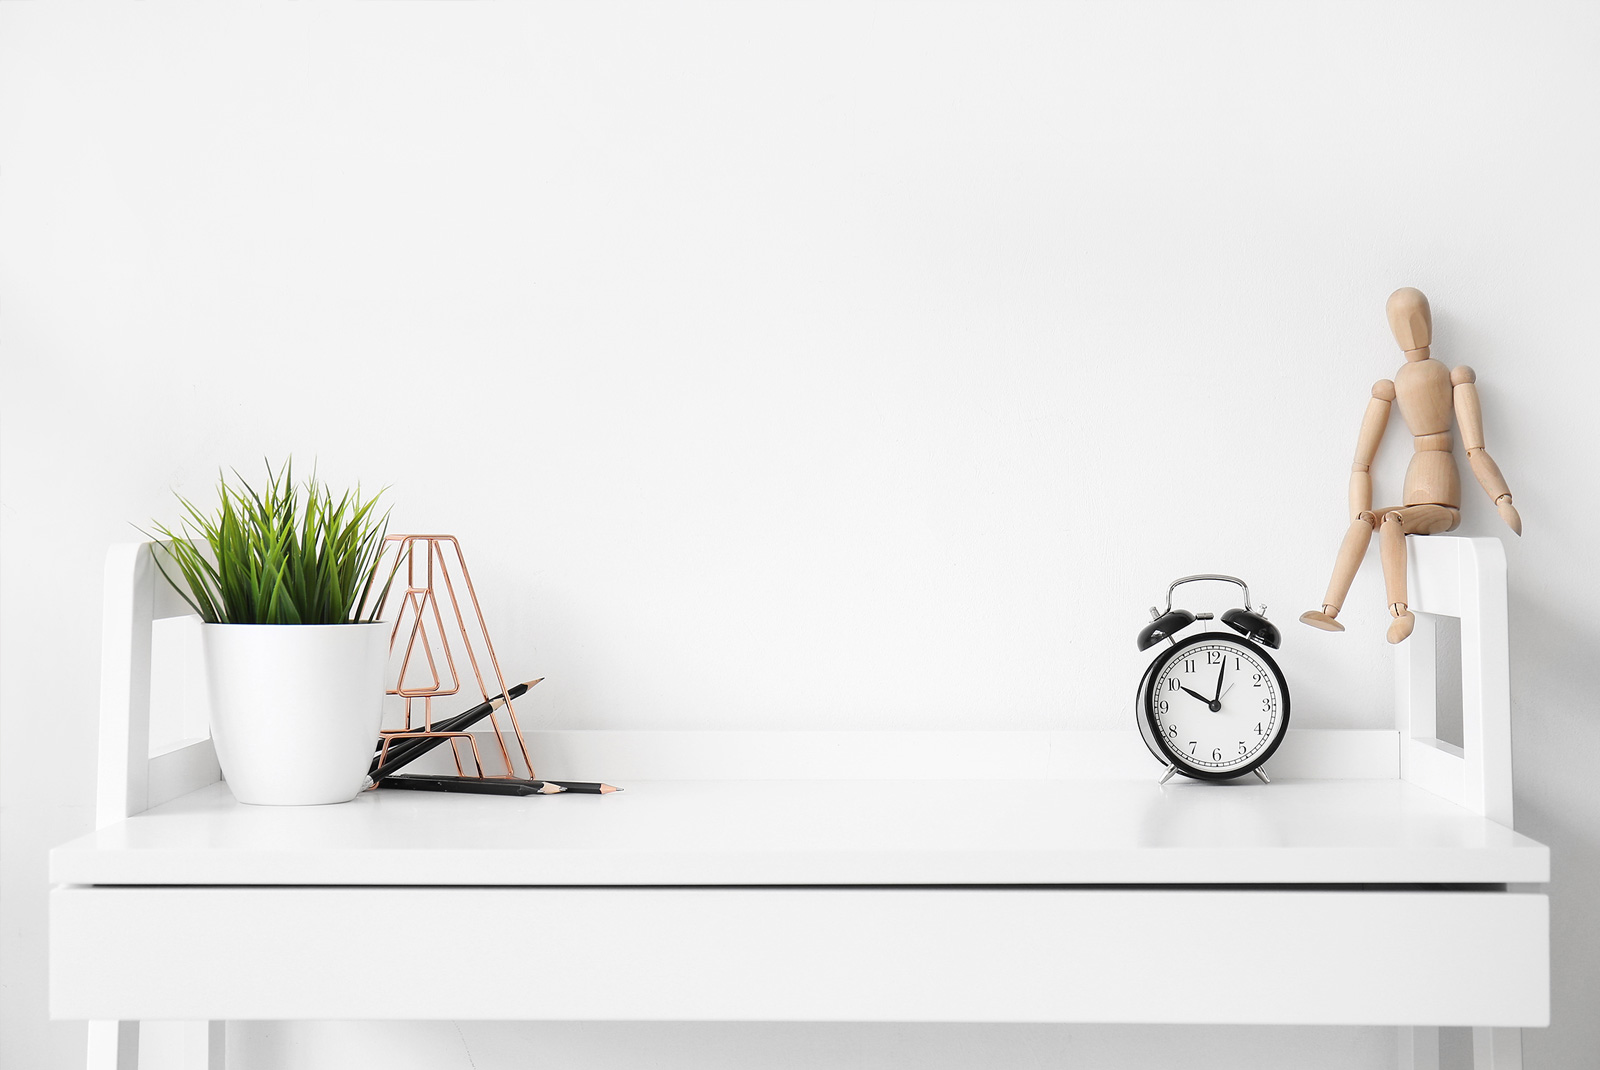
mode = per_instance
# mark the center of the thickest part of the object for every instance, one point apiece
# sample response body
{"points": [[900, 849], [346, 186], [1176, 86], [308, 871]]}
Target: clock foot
{"points": [[1318, 619], [1171, 769], [1262, 774]]}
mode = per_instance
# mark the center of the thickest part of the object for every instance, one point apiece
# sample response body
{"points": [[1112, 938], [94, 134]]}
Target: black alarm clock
{"points": [[1212, 705]]}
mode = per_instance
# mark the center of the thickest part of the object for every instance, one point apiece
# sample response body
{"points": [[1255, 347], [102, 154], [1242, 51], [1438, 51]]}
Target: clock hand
{"points": [[1220, 671], [1196, 694]]}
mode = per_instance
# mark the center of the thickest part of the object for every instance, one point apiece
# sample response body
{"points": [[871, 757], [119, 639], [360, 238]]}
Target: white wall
{"points": [[861, 365]]}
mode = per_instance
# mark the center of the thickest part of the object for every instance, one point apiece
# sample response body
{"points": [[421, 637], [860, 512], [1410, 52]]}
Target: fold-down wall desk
{"points": [[838, 876]]}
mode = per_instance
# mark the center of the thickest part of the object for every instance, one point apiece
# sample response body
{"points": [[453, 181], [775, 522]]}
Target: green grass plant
{"points": [[287, 554]]}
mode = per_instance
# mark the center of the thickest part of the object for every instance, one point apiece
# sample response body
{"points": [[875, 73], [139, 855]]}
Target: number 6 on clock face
{"points": [[1213, 705]]}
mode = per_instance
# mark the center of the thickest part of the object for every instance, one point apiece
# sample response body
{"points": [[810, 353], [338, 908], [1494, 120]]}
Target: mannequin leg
{"points": [[1392, 549], [1428, 519], [1351, 551], [1396, 525]]}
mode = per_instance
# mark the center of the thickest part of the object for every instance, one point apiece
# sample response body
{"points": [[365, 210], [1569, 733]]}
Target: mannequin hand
{"points": [[1509, 514]]}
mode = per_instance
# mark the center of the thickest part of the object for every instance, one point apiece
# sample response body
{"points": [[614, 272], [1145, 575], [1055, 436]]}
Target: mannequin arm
{"points": [[1373, 425], [1469, 414]]}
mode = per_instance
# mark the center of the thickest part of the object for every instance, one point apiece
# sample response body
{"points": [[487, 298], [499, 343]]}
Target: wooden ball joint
{"points": [[1426, 392]]}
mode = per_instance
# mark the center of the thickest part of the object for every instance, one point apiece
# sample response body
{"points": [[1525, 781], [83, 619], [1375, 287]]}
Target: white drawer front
{"points": [[730, 954]]}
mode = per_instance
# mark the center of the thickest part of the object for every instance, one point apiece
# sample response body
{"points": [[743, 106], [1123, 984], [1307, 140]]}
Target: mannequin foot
{"points": [[1401, 627], [1318, 619]]}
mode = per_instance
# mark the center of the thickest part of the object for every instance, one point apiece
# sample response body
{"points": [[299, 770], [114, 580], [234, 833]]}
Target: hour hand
{"points": [[1197, 695]]}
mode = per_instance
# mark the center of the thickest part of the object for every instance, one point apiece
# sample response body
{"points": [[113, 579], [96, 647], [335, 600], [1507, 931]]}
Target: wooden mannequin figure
{"points": [[1423, 387]]}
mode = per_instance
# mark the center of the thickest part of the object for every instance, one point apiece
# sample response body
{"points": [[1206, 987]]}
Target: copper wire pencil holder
{"points": [[432, 566]]}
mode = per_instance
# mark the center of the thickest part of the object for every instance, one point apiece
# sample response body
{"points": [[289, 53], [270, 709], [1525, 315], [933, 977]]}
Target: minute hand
{"points": [[1221, 669]]}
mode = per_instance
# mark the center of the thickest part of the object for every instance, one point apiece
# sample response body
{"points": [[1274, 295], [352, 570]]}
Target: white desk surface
{"points": [[793, 832]]}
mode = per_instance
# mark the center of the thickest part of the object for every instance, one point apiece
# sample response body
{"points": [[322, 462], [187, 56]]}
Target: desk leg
{"points": [[216, 1045], [113, 1046], [204, 1046], [1496, 1049], [1419, 1048]]}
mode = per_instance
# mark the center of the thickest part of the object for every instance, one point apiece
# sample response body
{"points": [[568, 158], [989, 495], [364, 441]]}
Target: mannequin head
{"points": [[1411, 321]]}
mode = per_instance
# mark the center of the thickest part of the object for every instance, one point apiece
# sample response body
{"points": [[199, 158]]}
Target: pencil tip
{"points": [[530, 683], [552, 789], [607, 789]]}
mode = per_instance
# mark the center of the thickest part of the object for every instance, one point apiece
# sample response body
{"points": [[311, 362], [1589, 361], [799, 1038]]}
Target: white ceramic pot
{"points": [[295, 708]]}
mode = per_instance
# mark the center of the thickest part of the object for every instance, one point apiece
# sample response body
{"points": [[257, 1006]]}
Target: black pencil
{"points": [[470, 785], [407, 751], [581, 787], [412, 747], [575, 787]]}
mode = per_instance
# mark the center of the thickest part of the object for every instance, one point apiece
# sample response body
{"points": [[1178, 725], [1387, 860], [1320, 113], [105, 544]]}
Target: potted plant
{"points": [[281, 579]]}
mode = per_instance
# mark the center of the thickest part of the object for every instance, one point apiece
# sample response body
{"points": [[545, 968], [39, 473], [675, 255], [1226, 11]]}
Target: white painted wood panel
{"points": [[1463, 578], [845, 832], [1118, 754], [1012, 955], [187, 766]]}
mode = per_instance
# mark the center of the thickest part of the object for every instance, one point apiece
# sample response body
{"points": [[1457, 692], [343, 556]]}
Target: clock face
{"points": [[1217, 705]]}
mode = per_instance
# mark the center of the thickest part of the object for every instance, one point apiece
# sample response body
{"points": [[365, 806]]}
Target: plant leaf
{"points": [[287, 553]]}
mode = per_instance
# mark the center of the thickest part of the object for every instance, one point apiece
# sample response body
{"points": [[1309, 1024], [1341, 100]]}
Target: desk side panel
{"points": [[971, 955]]}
